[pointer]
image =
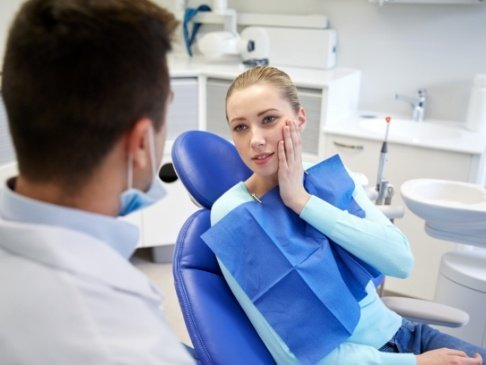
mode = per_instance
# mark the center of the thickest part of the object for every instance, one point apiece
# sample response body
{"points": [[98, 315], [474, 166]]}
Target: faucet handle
{"points": [[417, 103], [418, 113]]}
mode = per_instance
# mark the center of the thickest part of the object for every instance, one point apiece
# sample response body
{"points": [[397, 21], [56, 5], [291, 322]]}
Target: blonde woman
{"points": [[299, 248]]}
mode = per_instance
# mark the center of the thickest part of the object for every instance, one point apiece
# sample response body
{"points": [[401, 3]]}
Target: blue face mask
{"points": [[133, 199]]}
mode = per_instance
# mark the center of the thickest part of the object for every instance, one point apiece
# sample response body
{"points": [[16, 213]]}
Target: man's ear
{"points": [[301, 119], [138, 144]]}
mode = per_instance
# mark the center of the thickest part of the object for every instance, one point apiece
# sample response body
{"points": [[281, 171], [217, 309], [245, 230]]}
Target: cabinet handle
{"points": [[356, 147]]}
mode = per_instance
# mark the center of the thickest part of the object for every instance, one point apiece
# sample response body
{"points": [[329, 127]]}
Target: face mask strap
{"points": [[130, 171], [134, 199], [151, 141]]}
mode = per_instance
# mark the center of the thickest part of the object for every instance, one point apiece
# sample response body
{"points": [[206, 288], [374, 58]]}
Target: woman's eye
{"points": [[269, 119], [239, 127]]}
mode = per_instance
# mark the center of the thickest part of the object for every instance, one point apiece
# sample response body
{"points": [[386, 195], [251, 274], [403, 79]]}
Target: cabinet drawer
{"points": [[403, 163], [215, 111], [358, 155], [311, 101], [183, 112]]}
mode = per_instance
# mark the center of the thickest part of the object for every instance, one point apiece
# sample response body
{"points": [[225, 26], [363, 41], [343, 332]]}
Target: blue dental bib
{"points": [[306, 286]]}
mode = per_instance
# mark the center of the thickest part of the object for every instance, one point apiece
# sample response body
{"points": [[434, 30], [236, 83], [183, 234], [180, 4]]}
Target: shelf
{"points": [[429, 2]]}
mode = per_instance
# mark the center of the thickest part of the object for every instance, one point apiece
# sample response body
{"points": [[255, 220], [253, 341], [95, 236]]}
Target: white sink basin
{"points": [[409, 129], [453, 210]]}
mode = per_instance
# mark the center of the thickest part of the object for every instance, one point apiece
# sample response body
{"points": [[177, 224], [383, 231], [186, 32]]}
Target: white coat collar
{"points": [[74, 252], [116, 233]]}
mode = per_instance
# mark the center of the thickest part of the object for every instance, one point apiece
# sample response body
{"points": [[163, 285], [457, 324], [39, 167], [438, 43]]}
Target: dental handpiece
{"points": [[383, 156]]}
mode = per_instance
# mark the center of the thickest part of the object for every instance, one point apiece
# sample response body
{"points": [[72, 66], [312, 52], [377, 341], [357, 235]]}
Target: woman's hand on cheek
{"points": [[290, 169]]}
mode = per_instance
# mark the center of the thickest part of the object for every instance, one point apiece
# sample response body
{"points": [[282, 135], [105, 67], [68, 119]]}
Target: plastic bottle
{"points": [[476, 113], [220, 6]]}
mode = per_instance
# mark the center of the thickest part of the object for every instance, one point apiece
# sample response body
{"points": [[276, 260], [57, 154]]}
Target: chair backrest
{"points": [[208, 165]]}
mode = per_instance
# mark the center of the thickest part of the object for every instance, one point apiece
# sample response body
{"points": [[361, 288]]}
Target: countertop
{"points": [[181, 65], [461, 140]]}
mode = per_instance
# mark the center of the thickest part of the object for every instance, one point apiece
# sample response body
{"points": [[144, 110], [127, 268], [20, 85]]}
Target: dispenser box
{"points": [[313, 48]]}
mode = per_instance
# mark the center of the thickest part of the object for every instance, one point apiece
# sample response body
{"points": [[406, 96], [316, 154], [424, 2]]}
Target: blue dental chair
{"points": [[219, 329], [221, 334]]}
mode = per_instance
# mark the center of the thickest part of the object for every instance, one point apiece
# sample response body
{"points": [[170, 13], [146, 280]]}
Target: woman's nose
{"points": [[257, 138]]}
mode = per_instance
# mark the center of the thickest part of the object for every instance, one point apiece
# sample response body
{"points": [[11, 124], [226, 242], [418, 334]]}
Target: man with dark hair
{"points": [[86, 89]]}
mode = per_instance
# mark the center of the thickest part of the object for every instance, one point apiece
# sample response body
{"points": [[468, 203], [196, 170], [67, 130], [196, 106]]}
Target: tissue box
{"points": [[314, 48]]}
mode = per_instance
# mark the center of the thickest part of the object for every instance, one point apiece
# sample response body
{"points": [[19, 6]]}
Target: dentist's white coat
{"points": [[67, 298]]}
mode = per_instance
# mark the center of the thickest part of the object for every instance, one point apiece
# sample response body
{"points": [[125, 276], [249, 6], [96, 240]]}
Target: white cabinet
{"points": [[404, 163], [7, 171], [160, 223], [7, 154], [215, 106], [183, 112]]}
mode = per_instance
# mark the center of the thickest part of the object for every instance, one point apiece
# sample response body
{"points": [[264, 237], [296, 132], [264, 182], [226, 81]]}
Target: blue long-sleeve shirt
{"points": [[376, 241]]}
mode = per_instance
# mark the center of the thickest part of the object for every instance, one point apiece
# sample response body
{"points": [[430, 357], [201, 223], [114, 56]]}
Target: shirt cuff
{"points": [[398, 359]]}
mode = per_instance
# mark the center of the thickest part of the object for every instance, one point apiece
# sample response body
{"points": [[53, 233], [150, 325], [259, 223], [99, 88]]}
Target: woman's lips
{"points": [[262, 158]]}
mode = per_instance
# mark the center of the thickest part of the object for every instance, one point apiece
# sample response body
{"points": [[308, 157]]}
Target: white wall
{"points": [[8, 8], [400, 48]]}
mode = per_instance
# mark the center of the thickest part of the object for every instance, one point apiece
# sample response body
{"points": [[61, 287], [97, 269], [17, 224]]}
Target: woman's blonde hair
{"points": [[266, 75]]}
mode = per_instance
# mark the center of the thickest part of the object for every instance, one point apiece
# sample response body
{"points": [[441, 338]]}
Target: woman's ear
{"points": [[301, 119], [138, 144]]}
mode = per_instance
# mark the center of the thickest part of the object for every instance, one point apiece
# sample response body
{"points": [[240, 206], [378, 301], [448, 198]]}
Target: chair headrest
{"points": [[208, 165]]}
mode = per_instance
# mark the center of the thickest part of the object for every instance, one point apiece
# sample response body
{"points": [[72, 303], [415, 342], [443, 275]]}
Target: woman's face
{"points": [[257, 115]]}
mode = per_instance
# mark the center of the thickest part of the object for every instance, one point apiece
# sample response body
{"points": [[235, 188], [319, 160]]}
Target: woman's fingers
{"points": [[293, 142], [289, 142], [290, 149], [282, 157], [296, 139]]}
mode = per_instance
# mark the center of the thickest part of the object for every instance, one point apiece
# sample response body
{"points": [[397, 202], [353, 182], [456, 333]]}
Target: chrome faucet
{"points": [[417, 103]]}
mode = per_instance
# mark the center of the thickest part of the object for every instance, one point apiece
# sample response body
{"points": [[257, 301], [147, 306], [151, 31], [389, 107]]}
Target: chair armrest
{"points": [[424, 311], [372, 193], [392, 211]]}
